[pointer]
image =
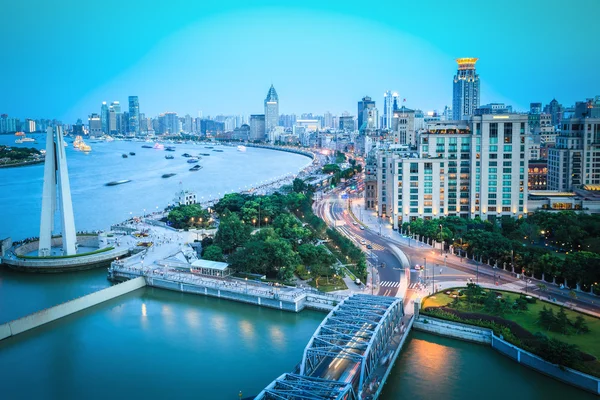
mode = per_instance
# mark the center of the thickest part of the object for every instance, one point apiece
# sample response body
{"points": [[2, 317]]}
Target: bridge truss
{"points": [[358, 329], [298, 387]]}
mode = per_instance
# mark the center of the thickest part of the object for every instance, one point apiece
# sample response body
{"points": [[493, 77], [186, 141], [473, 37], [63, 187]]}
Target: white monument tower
{"points": [[56, 188]]}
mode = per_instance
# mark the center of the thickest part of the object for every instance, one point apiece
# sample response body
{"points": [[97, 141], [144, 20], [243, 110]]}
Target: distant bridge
{"points": [[350, 354]]}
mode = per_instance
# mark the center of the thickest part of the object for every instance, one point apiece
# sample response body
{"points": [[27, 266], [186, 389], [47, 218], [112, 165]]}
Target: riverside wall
{"points": [[454, 330], [39, 318], [472, 333]]}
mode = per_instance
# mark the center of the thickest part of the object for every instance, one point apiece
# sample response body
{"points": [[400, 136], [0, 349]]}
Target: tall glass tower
{"points": [[390, 104], [134, 115], [104, 118], [271, 109], [465, 97]]}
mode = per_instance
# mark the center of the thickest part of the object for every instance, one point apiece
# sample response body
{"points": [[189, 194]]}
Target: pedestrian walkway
{"points": [[389, 284]]}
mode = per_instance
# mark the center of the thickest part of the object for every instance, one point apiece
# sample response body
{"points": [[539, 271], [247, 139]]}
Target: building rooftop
{"points": [[221, 266], [550, 193]]}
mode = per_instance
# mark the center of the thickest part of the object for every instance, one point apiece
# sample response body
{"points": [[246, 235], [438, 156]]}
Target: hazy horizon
{"points": [[221, 57]]}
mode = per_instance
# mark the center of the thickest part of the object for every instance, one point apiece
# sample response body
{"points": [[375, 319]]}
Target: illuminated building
{"points": [[465, 97]]}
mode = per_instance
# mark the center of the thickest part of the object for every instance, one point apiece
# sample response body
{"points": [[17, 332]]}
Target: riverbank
{"points": [[22, 164], [480, 335]]}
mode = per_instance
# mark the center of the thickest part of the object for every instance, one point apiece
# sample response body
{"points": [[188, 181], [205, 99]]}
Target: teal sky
{"points": [[62, 59]]}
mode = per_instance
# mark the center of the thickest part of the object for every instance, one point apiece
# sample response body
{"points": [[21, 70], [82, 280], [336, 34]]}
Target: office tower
{"points": [[555, 110], [271, 109], [403, 127], [104, 118], [390, 103], [447, 115], [112, 121], [347, 123], [56, 196], [364, 104], [187, 124], [29, 126], [465, 97], [574, 162], [493, 109], [327, 120], [134, 115], [168, 123], [370, 119], [535, 108], [95, 125], [257, 127]]}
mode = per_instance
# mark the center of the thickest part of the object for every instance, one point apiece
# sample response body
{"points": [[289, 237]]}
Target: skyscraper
{"points": [[390, 104], [104, 118], [257, 127], [95, 125], [364, 104], [465, 97], [134, 115], [271, 109]]}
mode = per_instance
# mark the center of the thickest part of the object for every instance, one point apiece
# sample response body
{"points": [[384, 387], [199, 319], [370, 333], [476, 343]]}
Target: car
{"points": [[355, 223], [362, 228], [369, 246], [363, 241]]}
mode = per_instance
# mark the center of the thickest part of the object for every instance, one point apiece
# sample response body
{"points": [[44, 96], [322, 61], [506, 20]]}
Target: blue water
{"points": [[97, 206]]}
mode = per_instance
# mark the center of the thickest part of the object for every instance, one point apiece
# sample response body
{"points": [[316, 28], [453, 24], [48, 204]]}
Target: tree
{"points": [[561, 323], [213, 253], [557, 352], [298, 185], [546, 318], [232, 202], [580, 325], [232, 233], [288, 227]]}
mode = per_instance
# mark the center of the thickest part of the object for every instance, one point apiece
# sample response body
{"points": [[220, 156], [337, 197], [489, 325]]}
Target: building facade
{"points": [[465, 169], [134, 115], [465, 97], [390, 103], [365, 104], [271, 110], [257, 127], [574, 161]]}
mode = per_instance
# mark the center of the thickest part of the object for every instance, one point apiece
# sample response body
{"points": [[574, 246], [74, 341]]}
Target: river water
{"points": [[157, 344]]}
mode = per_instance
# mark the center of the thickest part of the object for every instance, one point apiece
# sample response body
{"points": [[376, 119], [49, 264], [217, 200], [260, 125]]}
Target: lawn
{"points": [[587, 342], [336, 283]]}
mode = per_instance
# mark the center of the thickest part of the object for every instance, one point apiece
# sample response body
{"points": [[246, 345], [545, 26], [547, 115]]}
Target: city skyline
{"points": [[212, 79]]}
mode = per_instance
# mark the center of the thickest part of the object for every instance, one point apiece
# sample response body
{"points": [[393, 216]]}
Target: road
{"points": [[391, 271]]}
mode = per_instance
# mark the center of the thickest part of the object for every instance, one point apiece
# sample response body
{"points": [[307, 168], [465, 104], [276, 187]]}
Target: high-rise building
{"points": [[112, 121], [535, 108], [95, 125], [328, 120], [365, 104], [403, 127], [271, 109], [466, 169], [104, 118], [555, 110], [134, 115], [168, 123], [347, 123], [390, 103], [257, 127], [465, 97], [574, 161]]}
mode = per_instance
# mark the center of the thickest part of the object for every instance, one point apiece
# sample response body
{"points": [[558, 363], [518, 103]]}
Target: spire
{"points": [[272, 95]]}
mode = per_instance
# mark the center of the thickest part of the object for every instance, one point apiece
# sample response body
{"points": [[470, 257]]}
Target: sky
{"points": [[61, 59]]}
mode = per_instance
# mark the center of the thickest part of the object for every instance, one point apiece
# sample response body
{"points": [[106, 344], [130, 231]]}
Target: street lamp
{"points": [[441, 240]]}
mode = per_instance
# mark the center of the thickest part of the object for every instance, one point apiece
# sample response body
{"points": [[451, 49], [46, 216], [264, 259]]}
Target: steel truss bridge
{"points": [[346, 354]]}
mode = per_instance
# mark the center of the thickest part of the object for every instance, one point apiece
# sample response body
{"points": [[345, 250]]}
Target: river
{"points": [[160, 344]]}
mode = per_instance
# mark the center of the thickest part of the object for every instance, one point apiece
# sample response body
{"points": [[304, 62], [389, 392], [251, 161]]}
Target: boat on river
{"points": [[168, 175], [241, 148], [131, 153], [169, 157], [218, 151], [115, 183], [192, 160], [146, 146], [158, 146], [124, 156], [196, 167], [170, 148]]}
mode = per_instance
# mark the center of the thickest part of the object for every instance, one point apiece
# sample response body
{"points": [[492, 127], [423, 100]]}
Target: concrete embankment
{"points": [[62, 310], [485, 336]]}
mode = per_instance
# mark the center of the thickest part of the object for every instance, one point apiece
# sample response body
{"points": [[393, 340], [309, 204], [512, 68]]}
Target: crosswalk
{"points": [[413, 285], [389, 284]]}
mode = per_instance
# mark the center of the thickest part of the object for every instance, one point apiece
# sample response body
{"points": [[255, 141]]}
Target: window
{"points": [[508, 131], [493, 130]]}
